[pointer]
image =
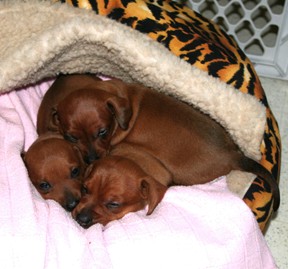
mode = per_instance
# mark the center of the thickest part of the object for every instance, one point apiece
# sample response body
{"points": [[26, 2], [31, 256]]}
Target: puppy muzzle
{"points": [[91, 156], [71, 201], [84, 218], [71, 205]]}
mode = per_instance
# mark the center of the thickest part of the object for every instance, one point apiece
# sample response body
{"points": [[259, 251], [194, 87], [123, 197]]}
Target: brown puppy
{"points": [[97, 112], [115, 186], [61, 87], [54, 166], [194, 148], [56, 169]]}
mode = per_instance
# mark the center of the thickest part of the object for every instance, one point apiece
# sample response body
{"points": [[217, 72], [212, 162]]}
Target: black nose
{"points": [[71, 204], [90, 158], [84, 218]]}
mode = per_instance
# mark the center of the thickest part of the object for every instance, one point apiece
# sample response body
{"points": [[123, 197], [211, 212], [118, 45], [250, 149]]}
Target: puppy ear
{"points": [[80, 156], [88, 171], [54, 120], [121, 109], [153, 192]]}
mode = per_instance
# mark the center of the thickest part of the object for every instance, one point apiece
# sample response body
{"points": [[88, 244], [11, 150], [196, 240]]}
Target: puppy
{"points": [[115, 186], [92, 117], [194, 148], [61, 87], [56, 169]]}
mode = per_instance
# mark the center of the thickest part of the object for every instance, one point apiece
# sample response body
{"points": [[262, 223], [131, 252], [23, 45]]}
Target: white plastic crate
{"points": [[260, 27]]}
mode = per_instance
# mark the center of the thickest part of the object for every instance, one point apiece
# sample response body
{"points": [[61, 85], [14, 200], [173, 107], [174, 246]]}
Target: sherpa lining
{"points": [[39, 39]]}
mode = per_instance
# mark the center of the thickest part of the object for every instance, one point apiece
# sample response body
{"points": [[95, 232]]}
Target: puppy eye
{"points": [[70, 138], [102, 133], [45, 186], [112, 205], [75, 172]]}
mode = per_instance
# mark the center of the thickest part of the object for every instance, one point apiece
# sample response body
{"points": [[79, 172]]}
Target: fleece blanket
{"points": [[202, 226]]}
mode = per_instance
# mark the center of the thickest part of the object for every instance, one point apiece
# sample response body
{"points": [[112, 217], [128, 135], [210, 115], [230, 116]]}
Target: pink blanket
{"points": [[202, 226]]}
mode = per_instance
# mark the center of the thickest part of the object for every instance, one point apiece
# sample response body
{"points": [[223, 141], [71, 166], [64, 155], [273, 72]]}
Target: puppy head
{"points": [[115, 187], [89, 117], [56, 169]]}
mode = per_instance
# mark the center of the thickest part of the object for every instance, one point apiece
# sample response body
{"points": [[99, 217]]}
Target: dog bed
{"points": [[40, 39]]}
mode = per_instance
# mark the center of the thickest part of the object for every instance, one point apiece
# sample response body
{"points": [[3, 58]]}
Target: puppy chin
{"points": [[89, 159], [94, 156]]}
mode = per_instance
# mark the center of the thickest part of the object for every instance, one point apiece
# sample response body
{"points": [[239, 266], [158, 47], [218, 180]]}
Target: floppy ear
{"points": [[80, 156], [153, 192], [121, 109], [88, 170], [54, 120]]}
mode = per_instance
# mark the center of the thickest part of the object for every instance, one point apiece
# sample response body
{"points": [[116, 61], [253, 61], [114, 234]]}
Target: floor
{"points": [[277, 233]]}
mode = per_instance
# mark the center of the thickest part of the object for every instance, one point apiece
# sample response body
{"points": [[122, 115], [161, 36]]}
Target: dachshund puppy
{"points": [[61, 87], [193, 147], [92, 117], [115, 186], [56, 169]]}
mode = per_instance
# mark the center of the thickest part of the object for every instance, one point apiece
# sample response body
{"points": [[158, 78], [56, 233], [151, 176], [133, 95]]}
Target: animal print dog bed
{"points": [[35, 50], [40, 39], [204, 45]]}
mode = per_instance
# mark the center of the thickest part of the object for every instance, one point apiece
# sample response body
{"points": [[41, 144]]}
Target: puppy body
{"points": [[56, 169], [116, 186], [194, 148]]}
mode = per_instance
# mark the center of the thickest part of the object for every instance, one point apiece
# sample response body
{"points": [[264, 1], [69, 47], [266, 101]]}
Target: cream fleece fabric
{"points": [[39, 39]]}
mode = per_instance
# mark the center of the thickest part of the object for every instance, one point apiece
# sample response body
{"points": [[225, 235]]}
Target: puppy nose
{"points": [[84, 219], [90, 158], [71, 204]]}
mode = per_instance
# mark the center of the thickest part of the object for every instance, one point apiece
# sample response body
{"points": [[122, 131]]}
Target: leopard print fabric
{"points": [[203, 44]]}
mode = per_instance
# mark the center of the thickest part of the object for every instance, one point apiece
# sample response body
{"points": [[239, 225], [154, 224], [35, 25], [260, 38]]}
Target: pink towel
{"points": [[202, 226]]}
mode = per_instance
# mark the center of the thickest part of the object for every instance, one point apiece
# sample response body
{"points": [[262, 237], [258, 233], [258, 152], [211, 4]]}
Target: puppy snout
{"points": [[72, 200], [71, 204], [91, 157], [84, 218]]}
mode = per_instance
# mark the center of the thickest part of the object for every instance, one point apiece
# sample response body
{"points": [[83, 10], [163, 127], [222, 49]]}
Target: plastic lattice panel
{"points": [[260, 27]]}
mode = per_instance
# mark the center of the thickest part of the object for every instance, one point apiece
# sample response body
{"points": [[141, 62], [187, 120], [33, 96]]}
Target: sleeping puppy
{"points": [[92, 118], [194, 148], [115, 186], [56, 169], [110, 111], [61, 87]]}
